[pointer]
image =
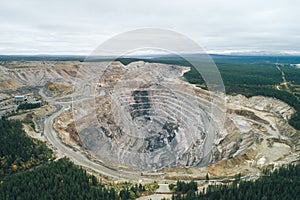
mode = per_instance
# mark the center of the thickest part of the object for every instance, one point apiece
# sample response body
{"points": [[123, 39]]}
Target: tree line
{"points": [[27, 171], [282, 183], [251, 81], [26, 106]]}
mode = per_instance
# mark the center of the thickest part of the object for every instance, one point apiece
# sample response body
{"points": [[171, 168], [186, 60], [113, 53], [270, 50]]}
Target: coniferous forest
{"points": [[282, 183], [18, 152], [56, 180], [29, 172]]}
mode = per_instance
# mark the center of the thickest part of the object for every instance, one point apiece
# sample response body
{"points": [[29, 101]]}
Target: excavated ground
{"points": [[145, 116]]}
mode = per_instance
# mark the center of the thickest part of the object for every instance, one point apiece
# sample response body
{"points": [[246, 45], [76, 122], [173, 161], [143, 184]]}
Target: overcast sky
{"points": [[78, 27]]}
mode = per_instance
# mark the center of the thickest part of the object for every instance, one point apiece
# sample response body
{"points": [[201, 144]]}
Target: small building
{"points": [[19, 99]]}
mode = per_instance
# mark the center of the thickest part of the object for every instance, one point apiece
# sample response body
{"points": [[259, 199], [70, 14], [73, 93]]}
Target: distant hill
{"points": [[41, 57], [233, 59]]}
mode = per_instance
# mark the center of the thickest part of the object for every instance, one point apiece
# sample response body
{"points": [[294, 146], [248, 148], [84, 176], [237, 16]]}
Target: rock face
{"points": [[147, 117], [57, 77]]}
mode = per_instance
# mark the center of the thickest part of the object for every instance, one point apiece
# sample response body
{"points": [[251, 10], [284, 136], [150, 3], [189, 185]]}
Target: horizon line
{"points": [[152, 55]]}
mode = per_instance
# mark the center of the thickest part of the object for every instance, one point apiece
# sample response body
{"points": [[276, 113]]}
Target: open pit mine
{"points": [[145, 116]]}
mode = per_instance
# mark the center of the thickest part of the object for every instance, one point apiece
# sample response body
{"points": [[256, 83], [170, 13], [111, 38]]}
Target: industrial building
{"points": [[19, 99]]}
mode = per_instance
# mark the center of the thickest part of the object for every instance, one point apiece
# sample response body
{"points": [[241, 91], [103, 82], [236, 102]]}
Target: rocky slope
{"points": [[144, 115]]}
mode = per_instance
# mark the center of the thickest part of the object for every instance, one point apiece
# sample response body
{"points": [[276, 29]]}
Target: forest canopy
{"points": [[19, 152]]}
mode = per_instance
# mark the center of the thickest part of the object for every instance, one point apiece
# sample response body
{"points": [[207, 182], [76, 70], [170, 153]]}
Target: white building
{"points": [[19, 99]]}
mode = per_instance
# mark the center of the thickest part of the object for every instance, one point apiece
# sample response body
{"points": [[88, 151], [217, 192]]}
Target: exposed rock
{"points": [[144, 115], [71, 129]]}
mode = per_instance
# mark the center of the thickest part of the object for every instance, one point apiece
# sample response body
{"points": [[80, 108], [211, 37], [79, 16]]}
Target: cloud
{"points": [[71, 27]]}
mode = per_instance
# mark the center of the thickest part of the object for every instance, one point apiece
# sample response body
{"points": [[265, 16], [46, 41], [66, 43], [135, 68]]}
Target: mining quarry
{"points": [[144, 121]]}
